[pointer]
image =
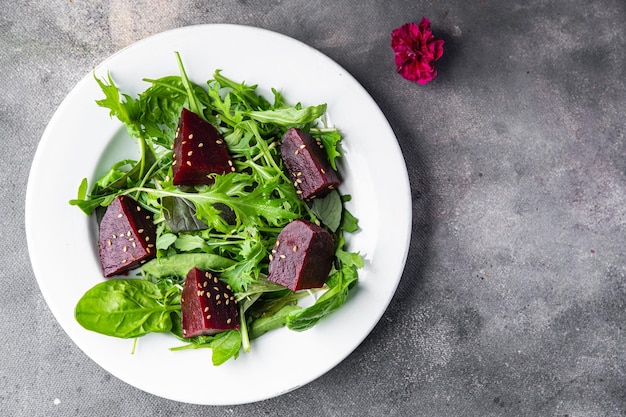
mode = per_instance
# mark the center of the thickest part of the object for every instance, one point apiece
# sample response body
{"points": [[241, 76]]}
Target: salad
{"points": [[223, 231]]}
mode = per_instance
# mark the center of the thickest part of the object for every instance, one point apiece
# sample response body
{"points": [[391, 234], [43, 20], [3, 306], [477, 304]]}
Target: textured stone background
{"points": [[512, 301]]}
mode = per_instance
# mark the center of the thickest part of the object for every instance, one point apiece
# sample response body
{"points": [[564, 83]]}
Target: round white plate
{"points": [[81, 141]]}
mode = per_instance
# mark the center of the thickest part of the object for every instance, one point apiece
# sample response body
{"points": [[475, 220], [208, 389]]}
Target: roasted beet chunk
{"points": [[207, 304], [307, 164], [127, 236], [302, 256], [199, 151]]}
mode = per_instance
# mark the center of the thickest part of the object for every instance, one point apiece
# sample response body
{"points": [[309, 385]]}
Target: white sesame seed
{"points": [[189, 153], [189, 163], [190, 136]]}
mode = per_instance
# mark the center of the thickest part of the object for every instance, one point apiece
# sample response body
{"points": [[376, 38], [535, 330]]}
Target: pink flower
{"points": [[416, 49]]}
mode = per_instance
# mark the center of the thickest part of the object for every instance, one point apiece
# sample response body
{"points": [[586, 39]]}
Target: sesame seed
{"points": [[330, 187], [208, 317], [134, 245], [114, 236], [206, 274], [147, 250], [302, 146], [147, 238], [217, 296], [277, 242], [140, 231], [174, 162], [322, 171], [227, 301], [184, 331], [189, 153], [109, 242], [296, 152], [151, 245], [299, 174], [282, 256], [204, 284], [219, 302], [225, 295], [119, 216], [129, 233], [206, 309], [138, 208], [271, 258], [200, 145], [189, 163], [148, 217], [299, 192], [230, 162], [295, 248], [123, 261], [215, 280], [183, 142], [228, 287], [125, 249], [190, 136], [200, 293], [232, 169], [273, 250], [219, 142], [228, 321]]}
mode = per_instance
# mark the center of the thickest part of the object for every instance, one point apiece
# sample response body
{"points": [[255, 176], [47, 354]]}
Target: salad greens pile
{"points": [[228, 227]]}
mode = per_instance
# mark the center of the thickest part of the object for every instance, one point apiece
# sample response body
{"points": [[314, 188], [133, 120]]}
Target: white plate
{"points": [[81, 140]]}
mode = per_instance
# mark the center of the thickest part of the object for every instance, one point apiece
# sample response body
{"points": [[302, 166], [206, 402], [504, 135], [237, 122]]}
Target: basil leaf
{"points": [[125, 308]]}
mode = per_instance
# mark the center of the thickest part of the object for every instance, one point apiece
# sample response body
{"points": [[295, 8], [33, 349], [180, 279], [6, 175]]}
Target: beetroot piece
{"points": [[199, 150], [302, 256], [127, 236], [207, 304], [308, 164]]}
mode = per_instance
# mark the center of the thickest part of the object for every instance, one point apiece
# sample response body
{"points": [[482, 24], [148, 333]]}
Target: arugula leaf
{"points": [[125, 308], [288, 116]]}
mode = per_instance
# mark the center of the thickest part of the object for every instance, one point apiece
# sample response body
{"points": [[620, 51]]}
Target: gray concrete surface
{"points": [[513, 298]]}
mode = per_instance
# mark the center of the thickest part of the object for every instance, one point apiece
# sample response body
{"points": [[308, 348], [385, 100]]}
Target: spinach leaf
{"points": [[179, 264], [277, 320], [328, 210], [341, 281], [126, 308], [180, 215], [225, 345]]}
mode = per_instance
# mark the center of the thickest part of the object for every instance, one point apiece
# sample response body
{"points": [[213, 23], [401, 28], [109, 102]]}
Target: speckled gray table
{"points": [[513, 297]]}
